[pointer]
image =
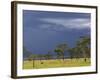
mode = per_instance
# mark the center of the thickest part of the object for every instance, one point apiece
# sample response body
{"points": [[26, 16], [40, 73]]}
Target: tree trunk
{"points": [[63, 56], [33, 63], [84, 55]]}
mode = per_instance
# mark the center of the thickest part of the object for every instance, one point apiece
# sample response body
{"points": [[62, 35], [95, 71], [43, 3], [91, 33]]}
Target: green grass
{"points": [[56, 63]]}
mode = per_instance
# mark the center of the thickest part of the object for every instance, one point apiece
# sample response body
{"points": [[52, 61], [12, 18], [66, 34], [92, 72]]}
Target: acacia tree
{"points": [[40, 57], [84, 45], [59, 53], [32, 58], [62, 48], [48, 56], [72, 52], [26, 53]]}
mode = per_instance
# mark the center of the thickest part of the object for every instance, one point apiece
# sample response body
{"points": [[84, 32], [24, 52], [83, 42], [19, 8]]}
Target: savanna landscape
{"points": [[79, 56], [56, 39]]}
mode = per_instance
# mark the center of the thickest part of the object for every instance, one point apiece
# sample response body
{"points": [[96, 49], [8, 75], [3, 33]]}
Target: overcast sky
{"points": [[43, 30]]}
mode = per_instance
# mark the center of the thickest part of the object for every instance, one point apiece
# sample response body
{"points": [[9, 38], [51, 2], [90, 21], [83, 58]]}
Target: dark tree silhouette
{"points": [[59, 53], [62, 48], [84, 45], [32, 58]]}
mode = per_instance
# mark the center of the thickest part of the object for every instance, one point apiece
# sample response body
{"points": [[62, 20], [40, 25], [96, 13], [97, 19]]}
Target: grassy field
{"points": [[36, 64]]}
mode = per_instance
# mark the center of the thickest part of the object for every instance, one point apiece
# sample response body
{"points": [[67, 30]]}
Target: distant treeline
{"points": [[81, 50]]}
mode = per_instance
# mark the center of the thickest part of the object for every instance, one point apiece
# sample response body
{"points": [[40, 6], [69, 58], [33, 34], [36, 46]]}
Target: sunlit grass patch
{"points": [[37, 64]]}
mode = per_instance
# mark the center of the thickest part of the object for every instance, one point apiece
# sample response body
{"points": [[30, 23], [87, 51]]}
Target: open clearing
{"points": [[37, 64]]}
